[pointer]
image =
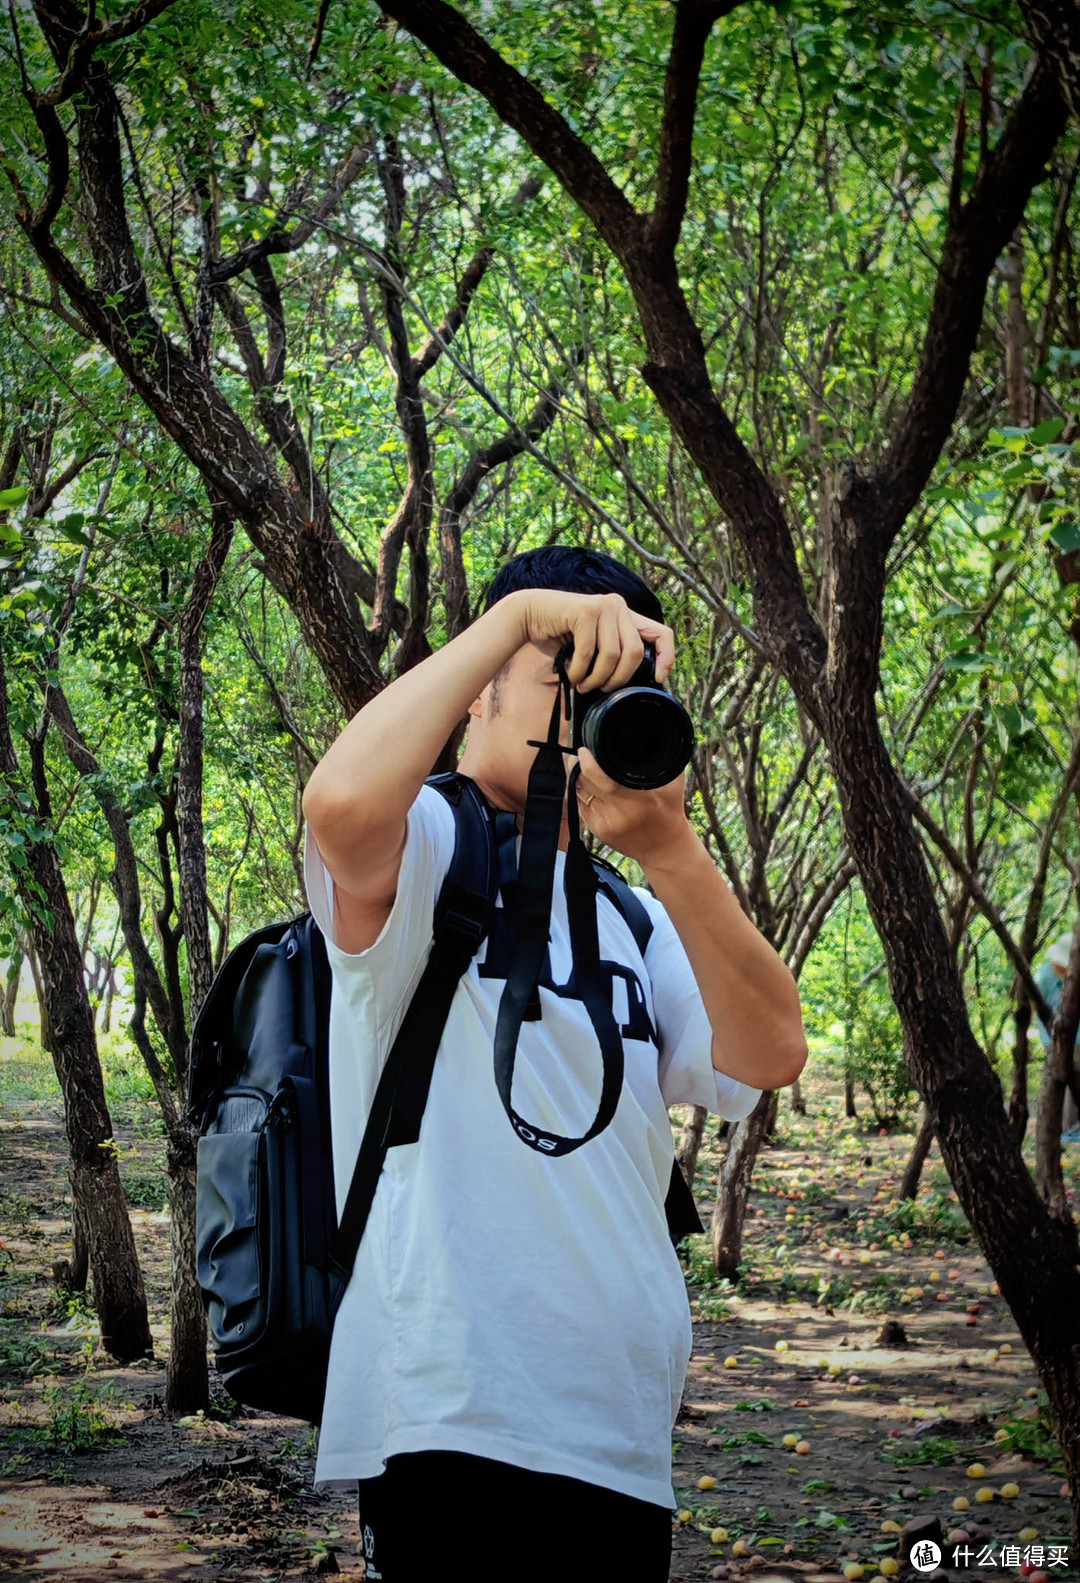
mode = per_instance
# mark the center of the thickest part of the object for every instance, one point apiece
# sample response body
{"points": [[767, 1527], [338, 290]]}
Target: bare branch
{"points": [[475, 271], [977, 233], [522, 106], [979, 896], [461, 496]]}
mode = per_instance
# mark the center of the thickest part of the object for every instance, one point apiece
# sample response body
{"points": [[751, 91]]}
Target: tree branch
{"points": [[475, 271], [694, 21], [91, 37], [979, 896], [522, 106], [463, 493], [978, 231]]}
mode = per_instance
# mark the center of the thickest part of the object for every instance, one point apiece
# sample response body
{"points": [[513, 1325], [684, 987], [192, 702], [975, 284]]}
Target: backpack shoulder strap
{"points": [[619, 893], [462, 917]]}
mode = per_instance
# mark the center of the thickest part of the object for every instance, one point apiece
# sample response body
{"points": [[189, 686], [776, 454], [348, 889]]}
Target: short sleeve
{"points": [[391, 963], [687, 1075]]}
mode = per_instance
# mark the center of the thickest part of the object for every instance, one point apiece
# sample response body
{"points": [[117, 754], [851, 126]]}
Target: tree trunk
{"points": [[849, 1094], [1033, 1256], [44, 1037], [798, 1103], [690, 1147], [734, 1186], [187, 1386], [10, 995], [98, 1196], [909, 1182], [1018, 1099]]}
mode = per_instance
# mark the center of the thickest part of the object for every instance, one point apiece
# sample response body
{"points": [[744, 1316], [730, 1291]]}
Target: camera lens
{"points": [[640, 736]]}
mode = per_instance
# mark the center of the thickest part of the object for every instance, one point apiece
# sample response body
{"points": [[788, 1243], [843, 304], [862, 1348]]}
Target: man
{"points": [[1050, 979], [514, 1341]]}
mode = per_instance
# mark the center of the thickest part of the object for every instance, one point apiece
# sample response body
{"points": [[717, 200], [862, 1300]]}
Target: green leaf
{"points": [[1066, 536], [1049, 430], [12, 497], [968, 660]]}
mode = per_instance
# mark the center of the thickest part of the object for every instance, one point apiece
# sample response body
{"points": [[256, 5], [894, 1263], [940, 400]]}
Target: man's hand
{"points": [[609, 638], [648, 826]]}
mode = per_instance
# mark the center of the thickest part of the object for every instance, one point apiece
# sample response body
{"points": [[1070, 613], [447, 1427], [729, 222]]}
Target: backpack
{"points": [[272, 1261]]}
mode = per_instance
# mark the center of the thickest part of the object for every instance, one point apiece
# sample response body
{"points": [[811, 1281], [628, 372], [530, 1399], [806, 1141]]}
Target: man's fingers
{"points": [[608, 646]]}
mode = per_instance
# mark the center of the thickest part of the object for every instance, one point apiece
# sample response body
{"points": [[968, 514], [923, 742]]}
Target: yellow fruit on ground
{"points": [[835, 1369], [976, 1471], [731, 1363], [1028, 1533], [685, 1516], [917, 1291], [984, 1494], [802, 1447], [961, 1503], [1009, 1492], [1006, 1346], [877, 1580], [719, 1536], [790, 1440], [740, 1548], [933, 1276], [706, 1482], [890, 1566], [890, 1526], [782, 1346], [854, 1572]]}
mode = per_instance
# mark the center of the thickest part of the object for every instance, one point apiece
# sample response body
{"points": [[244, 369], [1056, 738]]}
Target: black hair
{"points": [[573, 571]]}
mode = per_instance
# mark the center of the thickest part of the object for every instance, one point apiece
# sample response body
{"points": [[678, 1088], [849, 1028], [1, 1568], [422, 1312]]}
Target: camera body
{"points": [[639, 735]]}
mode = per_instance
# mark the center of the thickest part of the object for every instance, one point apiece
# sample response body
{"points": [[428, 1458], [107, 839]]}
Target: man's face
{"points": [[513, 709]]}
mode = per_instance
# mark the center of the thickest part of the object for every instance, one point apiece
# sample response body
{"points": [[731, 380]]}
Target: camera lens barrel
{"points": [[641, 736]]}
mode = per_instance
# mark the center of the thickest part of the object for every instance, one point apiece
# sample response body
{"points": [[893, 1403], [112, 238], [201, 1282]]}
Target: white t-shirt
{"points": [[506, 1303]]}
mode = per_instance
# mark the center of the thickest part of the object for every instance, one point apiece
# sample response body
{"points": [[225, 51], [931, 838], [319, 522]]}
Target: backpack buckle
{"points": [[469, 930]]}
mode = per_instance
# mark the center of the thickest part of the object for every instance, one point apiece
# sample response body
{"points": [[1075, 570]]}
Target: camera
{"points": [[639, 735]]}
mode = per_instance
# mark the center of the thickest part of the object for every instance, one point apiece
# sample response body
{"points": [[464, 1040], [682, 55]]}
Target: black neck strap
{"points": [[547, 789]]}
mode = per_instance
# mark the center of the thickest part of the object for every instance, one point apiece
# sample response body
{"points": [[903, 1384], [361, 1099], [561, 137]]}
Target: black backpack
{"points": [[272, 1261]]}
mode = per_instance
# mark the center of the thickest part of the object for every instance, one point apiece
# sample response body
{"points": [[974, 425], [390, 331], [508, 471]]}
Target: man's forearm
{"points": [[381, 759], [750, 996]]}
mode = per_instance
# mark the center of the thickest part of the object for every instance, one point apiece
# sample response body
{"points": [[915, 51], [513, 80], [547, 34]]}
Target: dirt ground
{"points": [[96, 1483]]}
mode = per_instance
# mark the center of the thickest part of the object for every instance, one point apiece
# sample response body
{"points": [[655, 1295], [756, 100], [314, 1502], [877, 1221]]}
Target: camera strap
{"points": [[547, 788]]}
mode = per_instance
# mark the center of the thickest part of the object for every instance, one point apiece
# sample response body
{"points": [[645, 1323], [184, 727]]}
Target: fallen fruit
{"points": [[1028, 1534], [933, 1276], [890, 1526], [835, 1369], [782, 1346], [890, 1566], [976, 1471], [1006, 1347], [984, 1495], [719, 1536], [1010, 1491], [802, 1447], [961, 1503], [1001, 1434], [853, 1379], [958, 1536], [731, 1363], [706, 1482], [740, 1548], [854, 1572], [685, 1516], [790, 1441]]}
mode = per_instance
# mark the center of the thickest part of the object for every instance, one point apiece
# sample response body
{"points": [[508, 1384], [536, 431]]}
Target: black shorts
{"points": [[436, 1514]]}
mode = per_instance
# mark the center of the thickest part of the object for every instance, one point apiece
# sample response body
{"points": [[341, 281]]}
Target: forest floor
{"points": [[96, 1483]]}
